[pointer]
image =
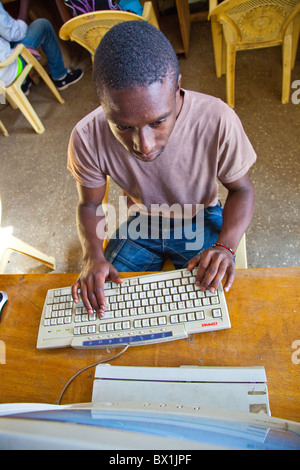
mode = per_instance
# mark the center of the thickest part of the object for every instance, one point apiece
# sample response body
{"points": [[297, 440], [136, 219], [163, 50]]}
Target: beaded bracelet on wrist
{"points": [[224, 246]]}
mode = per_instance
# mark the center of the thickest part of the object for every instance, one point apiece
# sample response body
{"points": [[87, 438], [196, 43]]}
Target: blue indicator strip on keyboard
{"points": [[127, 339]]}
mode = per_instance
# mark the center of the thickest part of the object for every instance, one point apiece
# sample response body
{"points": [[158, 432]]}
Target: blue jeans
{"points": [[128, 253], [41, 33]]}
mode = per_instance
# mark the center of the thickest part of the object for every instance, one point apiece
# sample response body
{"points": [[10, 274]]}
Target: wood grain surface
{"points": [[264, 310]]}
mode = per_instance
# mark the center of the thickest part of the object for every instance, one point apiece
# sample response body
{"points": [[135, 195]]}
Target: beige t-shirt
{"points": [[207, 144]]}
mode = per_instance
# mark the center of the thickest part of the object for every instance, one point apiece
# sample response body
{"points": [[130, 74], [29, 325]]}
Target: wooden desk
{"points": [[264, 310]]}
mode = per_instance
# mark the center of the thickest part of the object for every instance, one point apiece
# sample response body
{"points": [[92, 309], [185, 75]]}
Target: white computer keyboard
{"points": [[145, 309]]}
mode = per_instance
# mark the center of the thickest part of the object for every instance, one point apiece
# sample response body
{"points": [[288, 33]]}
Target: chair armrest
{"points": [[13, 56], [212, 5]]}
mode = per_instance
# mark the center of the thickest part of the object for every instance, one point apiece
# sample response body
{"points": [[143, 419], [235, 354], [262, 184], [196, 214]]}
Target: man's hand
{"points": [[213, 264], [96, 270], [91, 284]]}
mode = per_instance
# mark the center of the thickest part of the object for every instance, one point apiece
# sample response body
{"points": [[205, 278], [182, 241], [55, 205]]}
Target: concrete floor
{"points": [[39, 195]]}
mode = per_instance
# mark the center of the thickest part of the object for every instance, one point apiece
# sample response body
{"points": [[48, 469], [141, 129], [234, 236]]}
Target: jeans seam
{"points": [[116, 250]]}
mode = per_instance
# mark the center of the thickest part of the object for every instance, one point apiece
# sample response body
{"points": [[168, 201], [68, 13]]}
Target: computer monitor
{"points": [[141, 426]]}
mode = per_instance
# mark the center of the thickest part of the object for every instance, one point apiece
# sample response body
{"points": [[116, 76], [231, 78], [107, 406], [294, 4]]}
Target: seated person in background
{"points": [[38, 33], [78, 7], [162, 145]]}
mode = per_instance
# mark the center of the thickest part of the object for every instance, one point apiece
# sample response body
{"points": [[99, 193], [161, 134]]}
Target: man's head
{"points": [[133, 54], [137, 80]]}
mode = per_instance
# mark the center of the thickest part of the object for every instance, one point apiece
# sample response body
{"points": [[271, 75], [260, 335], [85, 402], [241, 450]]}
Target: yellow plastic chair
{"points": [[88, 29], [9, 243], [240, 255], [14, 93], [252, 24], [3, 128]]}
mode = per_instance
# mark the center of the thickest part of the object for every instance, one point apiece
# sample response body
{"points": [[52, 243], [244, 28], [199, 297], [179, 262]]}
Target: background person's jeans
{"points": [[41, 33], [141, 254]]}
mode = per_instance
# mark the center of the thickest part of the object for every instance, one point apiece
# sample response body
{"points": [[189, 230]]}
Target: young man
{"points": [[38, 33], [163, 146]]}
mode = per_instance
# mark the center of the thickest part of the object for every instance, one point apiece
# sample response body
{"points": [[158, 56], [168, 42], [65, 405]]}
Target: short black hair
{"points": [[133, 54]]}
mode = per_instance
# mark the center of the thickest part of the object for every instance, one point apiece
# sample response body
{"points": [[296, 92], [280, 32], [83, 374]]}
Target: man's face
{"points": [[143, 118]]}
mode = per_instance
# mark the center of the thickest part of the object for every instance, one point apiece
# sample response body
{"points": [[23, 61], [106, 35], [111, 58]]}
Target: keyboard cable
{"points": [[88, 367]]}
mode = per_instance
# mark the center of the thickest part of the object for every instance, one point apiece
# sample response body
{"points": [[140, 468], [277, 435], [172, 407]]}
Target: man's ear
{"points": [[178, 84]]}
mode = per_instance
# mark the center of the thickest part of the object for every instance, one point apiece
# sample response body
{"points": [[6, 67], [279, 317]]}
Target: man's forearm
{"points": [[237, 215], [91, 240], [23, 12]]}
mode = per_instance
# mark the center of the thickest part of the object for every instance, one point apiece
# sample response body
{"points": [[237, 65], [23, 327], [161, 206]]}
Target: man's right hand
{"points": [[91, 284]]}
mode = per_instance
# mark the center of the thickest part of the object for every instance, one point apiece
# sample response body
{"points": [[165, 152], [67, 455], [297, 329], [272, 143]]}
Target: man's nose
{"points": [[144, 141]]}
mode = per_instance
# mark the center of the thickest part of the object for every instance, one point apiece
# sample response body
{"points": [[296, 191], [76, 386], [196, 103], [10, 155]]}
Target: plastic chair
{"points": [[9, 243], [252, 24], [240, 255], [14, 93], [3, 128], [88, 29]]}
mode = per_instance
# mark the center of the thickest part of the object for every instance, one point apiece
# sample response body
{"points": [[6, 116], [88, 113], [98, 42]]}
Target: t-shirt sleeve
{"points": [[83, 161], [11, 29], [236, 154]]}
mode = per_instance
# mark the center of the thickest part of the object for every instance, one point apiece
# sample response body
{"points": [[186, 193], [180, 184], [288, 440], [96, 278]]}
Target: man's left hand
{"points": [[213, 264]]}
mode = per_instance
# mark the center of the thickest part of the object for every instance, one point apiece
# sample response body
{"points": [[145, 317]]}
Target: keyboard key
{"points": [[200, 315], [216, 313]]}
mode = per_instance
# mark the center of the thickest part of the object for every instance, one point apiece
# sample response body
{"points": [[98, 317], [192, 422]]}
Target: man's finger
{"points": [[74, 289], [85, 298], [193, 262], [230, 278]]}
